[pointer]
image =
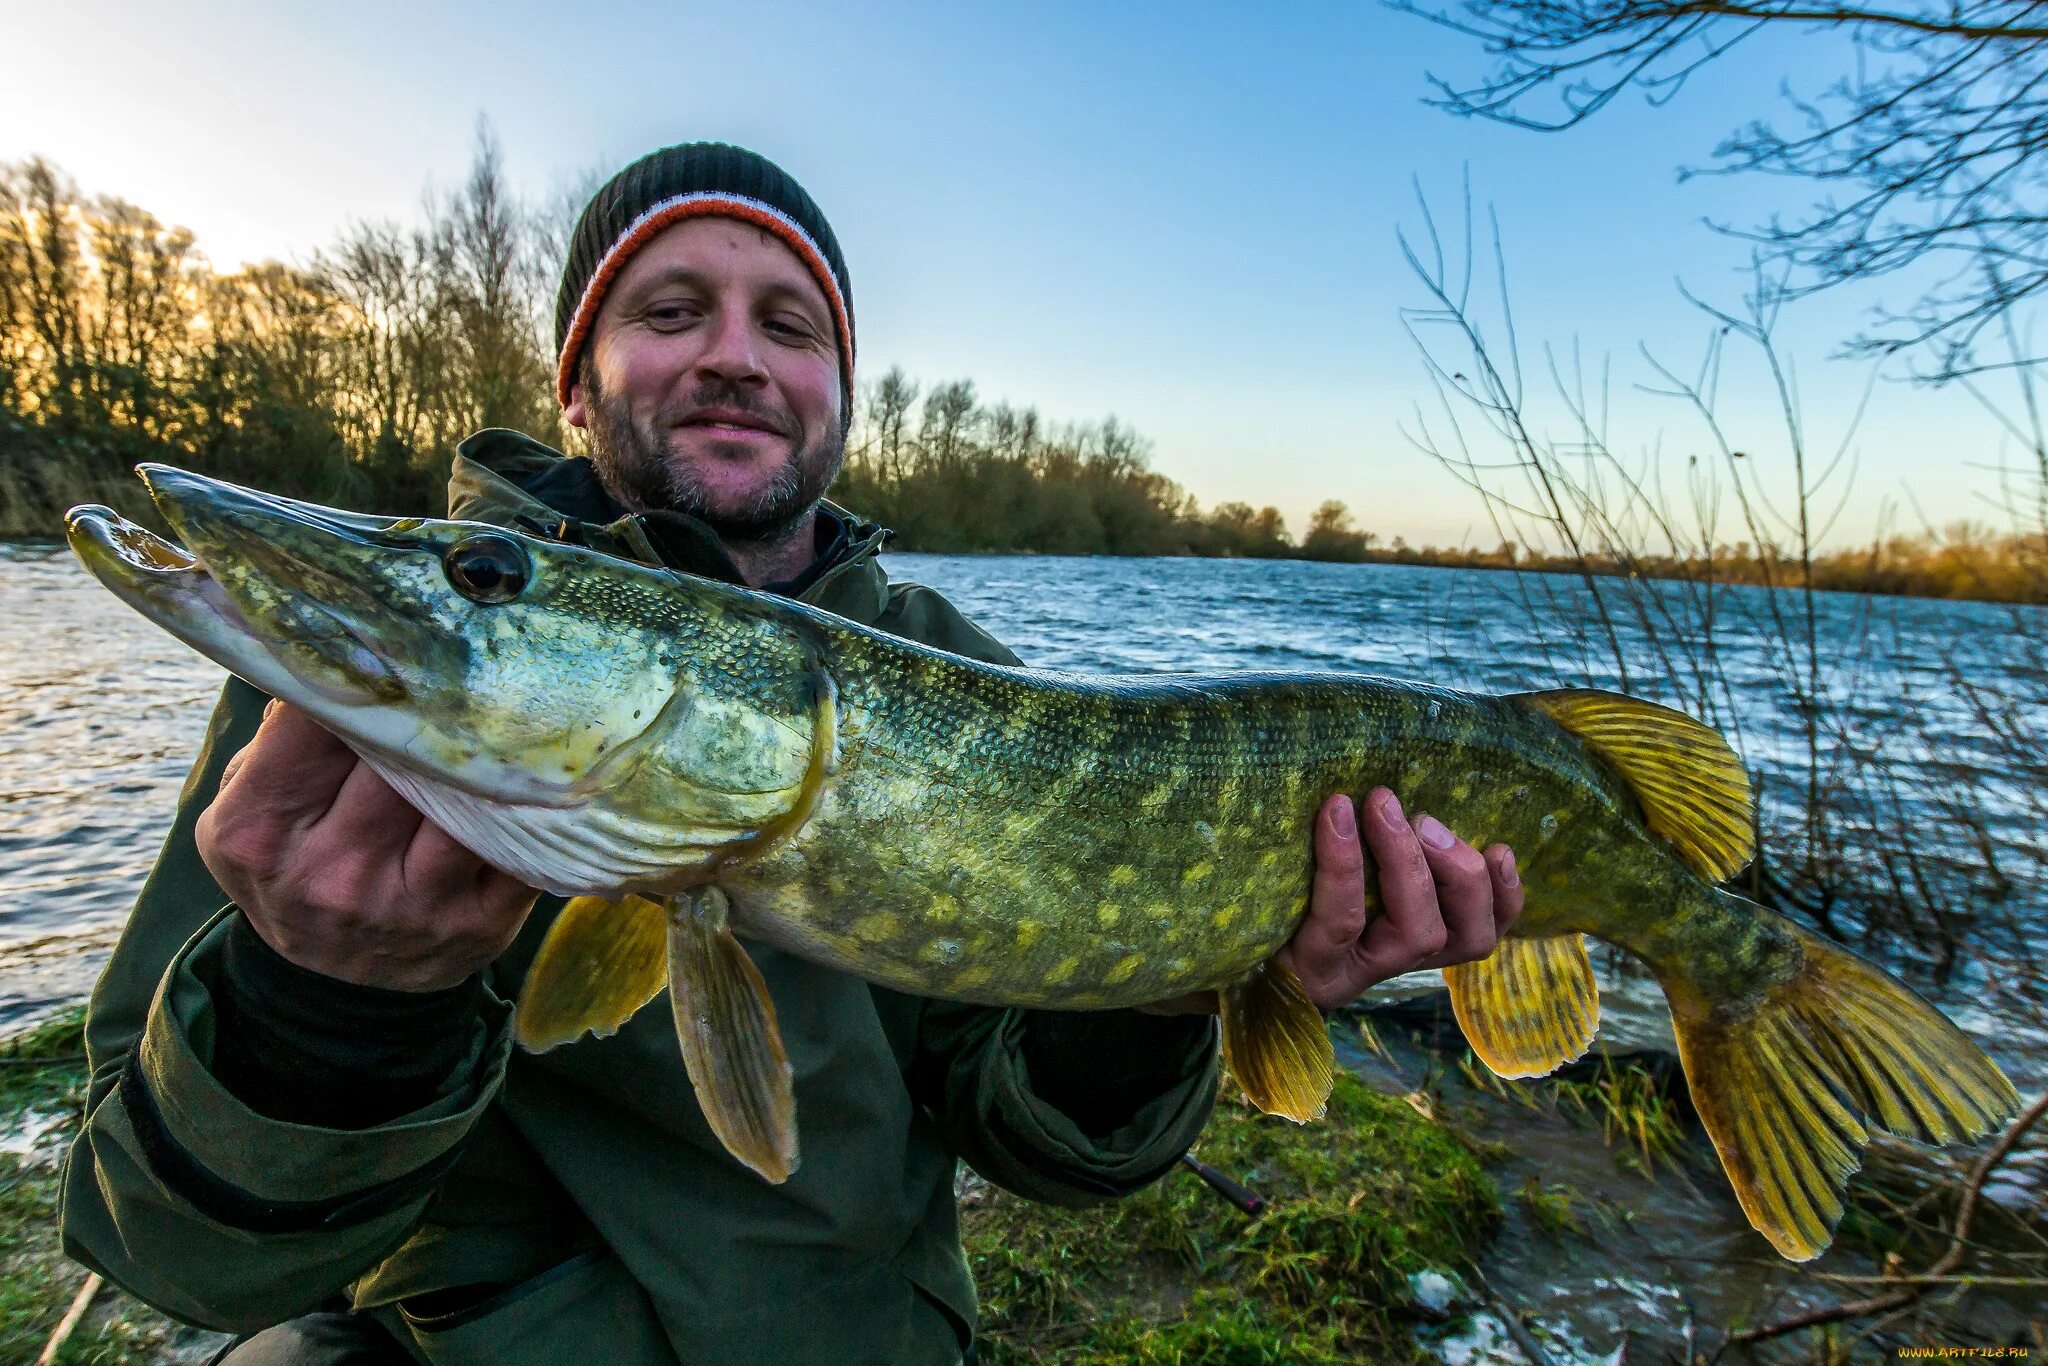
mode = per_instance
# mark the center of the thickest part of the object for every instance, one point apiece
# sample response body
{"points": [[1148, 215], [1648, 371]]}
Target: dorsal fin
{"points": [[1693, 788]]}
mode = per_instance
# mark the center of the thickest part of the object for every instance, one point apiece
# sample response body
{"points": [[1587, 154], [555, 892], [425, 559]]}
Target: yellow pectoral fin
{"points": [[1693, 788], [601, 961], [1530, 1007], [732, 1047], [1275, 1043]]}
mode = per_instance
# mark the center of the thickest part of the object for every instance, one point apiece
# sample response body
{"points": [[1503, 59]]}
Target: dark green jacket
{"points": [[585, 1179]]}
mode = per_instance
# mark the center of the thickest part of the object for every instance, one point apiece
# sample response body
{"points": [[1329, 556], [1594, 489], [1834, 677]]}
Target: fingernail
{"points": [[1433, 833], [270, 707], [1344, 819], [1390, 812], [1508, 876]]}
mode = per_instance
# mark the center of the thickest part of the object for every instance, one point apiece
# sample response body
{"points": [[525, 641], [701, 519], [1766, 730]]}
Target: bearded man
{"points": [[307, 1123]]}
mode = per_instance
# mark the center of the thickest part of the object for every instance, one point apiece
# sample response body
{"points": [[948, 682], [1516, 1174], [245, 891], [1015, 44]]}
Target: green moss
{"points": [[42, 1077], [1175, 1276]]}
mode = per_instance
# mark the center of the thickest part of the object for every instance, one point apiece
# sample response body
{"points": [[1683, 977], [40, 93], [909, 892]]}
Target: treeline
{"points": [[1965, 561], [349, 378], [953, 475]]}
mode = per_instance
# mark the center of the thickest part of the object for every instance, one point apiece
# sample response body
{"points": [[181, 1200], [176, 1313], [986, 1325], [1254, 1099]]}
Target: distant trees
{"points": [[348, 379], [1332, 535], [1923, 146], [955, 475]]}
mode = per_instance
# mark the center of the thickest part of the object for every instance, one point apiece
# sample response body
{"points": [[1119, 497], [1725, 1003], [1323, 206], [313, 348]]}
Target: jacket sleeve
{"points": [[180, 1192], [1045, 1138]]}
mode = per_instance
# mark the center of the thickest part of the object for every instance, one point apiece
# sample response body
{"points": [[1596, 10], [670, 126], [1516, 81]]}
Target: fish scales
{"points": [[1174, 817]]}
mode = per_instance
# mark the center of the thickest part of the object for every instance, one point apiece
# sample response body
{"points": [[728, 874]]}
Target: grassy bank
{"points": [[1173, 1276], [42, 1090]]}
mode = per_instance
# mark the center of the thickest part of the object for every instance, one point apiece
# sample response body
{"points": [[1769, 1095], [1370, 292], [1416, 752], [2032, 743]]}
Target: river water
{"points": [[100, 712]]}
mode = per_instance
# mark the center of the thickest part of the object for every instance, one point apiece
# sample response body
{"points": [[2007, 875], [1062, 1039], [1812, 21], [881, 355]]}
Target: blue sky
{"points": [[1182, 215]]}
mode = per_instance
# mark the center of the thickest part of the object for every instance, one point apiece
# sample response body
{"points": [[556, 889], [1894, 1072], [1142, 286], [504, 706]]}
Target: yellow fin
{"points": [[725, 1021], [601, 961], [1790, 1089], [1530, 1007], [1276, 1045], [1693, 788]]}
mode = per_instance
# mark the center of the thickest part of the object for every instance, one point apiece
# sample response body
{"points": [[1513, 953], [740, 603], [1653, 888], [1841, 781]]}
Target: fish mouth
{"points": [[174, 586]]}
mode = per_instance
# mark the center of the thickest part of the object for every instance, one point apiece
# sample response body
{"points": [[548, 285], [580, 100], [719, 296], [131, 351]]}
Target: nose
{"points": [[732, 349]]}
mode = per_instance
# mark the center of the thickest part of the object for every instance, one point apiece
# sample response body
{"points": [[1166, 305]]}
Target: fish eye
{"points": [[487, 568]]}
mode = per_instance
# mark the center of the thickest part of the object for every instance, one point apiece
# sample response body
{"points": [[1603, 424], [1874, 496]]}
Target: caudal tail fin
{"points": [[1791, 1086]]}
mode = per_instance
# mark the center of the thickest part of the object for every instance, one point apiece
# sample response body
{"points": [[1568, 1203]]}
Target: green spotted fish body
{"points": [[691, 761]]}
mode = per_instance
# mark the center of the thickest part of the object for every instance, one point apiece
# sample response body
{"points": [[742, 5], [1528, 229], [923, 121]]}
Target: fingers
{"points": [[1444, 901], [435, 866], [279, 783], [1337, 895], [290, 768], [1507, 887], [367, 820], [1464, 894], [1412, 929]]}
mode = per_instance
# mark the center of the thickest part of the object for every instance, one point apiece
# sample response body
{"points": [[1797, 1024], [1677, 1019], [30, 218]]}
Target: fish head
{"points": [[520, 671]]}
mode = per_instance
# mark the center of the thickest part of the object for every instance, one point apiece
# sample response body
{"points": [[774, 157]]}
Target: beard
{"points": [[640, 466]]}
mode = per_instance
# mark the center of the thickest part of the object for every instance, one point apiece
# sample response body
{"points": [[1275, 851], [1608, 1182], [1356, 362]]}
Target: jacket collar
{"points": [[510, 479]]}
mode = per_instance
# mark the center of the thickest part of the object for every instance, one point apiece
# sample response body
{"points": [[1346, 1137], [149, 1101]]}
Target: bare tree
{"points": [[1924, 147], [491, 263], [950, 414], [886, 406]]}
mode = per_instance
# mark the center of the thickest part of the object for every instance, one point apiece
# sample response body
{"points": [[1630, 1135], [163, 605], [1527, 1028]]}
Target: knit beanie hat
{"points": [[692, 180]]}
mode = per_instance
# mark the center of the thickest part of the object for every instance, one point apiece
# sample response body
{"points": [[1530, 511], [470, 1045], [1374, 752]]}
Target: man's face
{"points": [[711, 381]]}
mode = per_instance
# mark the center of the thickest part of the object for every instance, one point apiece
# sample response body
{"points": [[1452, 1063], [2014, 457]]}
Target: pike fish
{"points": [[694, 763]]}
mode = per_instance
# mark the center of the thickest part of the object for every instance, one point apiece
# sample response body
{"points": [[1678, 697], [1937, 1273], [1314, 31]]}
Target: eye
{"points": [[487, 568], [671, 313]]}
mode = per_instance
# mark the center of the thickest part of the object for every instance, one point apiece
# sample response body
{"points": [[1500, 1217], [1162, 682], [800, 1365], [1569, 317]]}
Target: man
{"points": [[306, 1116]]}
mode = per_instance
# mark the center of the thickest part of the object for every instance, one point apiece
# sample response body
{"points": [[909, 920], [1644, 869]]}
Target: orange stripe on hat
{"points": [[700, 204]]}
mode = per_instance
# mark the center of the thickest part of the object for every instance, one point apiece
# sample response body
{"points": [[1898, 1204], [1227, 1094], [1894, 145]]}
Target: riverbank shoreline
{"points": [[19, 541]]}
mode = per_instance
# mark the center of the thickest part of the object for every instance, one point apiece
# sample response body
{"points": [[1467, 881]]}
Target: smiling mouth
{"points": [[732, 428], [731, 420]]}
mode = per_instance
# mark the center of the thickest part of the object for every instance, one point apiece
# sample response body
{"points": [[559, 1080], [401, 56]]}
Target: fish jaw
{"points": [[357, 620], [173, 589]]}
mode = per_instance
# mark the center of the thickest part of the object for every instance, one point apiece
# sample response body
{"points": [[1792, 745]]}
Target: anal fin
{"points": [[1529, 1007], [732, 1047], [1275, 1044], [601, 961]]}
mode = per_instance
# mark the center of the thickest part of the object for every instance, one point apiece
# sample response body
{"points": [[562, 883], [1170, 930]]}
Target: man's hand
{"points": [[340, 875], [1443, 902]]}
